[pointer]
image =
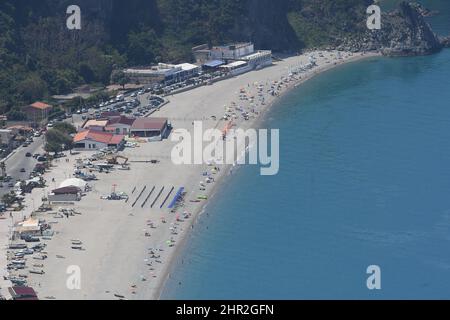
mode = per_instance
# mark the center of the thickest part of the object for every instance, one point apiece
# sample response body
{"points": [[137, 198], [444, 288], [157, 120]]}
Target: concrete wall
{"points": [[63, 197], [91, 145]]}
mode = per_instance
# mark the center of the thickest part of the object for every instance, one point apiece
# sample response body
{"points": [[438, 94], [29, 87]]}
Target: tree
{"points": [[59, 139], [16, 115], [143, 47], [119, 77], [53, 147], [32, 88], [65, 127], [8, 199]]}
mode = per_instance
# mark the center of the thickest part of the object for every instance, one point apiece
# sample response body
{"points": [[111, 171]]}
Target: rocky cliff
{"points": [[403, 32]]}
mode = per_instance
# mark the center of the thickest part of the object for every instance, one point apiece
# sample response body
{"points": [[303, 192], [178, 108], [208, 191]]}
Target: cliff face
{"points": [[407, 33], [283, 25], [404, 32], [268, 26]]}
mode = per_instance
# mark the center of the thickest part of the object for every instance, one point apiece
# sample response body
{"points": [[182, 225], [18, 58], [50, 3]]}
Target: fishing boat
{"points": [[18, 246], [37, 272]]}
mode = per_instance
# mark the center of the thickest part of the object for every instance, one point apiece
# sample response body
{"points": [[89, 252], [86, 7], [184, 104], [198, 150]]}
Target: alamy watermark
{"points": [[73, 281], [374, 280], [73, 22], [374, 20], [229, 146]]}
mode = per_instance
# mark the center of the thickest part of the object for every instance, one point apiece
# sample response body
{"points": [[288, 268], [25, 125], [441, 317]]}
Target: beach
{"points": [[127, 251]]}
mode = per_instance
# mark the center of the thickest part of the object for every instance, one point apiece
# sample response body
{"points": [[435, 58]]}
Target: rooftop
{"points": [[95, 123], [214, 63], [67, 190], [23, 293], [235, 45], [161, 69], [149, 124], [235, 64], [120, 120], [102, 137], [40, 105], [257, 54], [187, 66]]}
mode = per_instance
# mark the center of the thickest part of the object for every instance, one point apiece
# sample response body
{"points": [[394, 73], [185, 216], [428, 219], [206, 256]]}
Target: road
{"points": [[18, 161]]}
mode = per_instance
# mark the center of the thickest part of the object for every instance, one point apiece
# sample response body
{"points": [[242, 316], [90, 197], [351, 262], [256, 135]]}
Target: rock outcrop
{"points": [[404, 32]]}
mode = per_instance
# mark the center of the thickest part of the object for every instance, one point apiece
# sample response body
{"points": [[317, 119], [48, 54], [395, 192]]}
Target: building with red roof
{"points": [[95, 140], [119, 124], [23, 293], [38, 112], [154, 129]]}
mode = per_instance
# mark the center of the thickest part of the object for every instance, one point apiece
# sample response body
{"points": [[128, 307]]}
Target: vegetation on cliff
{"points": [[40, 57]]}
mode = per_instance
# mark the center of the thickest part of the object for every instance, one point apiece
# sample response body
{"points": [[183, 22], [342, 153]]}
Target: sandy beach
{"points": [[127, 251]]}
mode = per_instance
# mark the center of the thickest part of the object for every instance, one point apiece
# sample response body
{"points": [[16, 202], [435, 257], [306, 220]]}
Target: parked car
{"points": [[30, 239]]}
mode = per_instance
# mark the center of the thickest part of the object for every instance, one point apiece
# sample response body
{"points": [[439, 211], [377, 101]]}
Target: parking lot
{"points": [[140, 103]]}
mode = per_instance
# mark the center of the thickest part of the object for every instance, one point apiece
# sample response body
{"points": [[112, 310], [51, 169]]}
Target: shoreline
{"points": [[112, 231], [256, 123]]}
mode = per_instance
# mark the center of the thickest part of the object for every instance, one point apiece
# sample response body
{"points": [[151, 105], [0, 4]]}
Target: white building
{"points": [[241, 57], [163, 72], [254, 61], [231, 52], [119, 125], [237, 67], [259, 59], [96, 140]]}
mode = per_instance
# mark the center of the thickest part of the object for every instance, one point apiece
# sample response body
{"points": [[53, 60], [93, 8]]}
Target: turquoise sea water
{"points": [[364, 180]]}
